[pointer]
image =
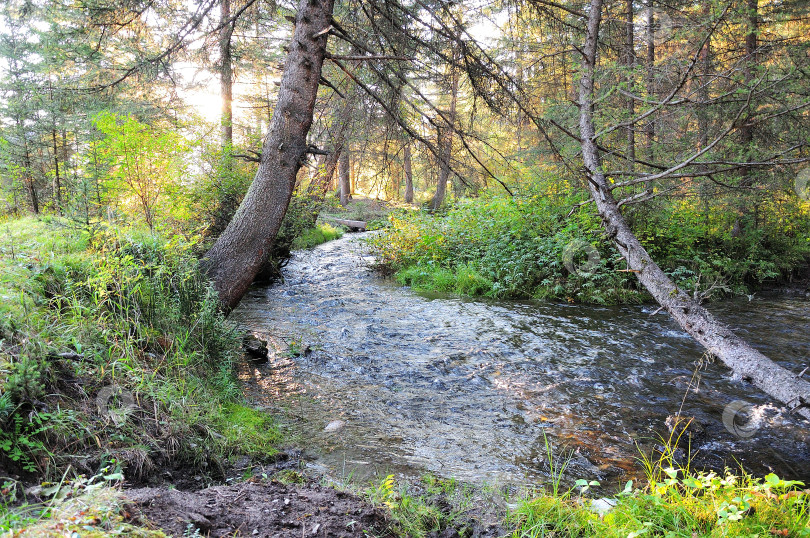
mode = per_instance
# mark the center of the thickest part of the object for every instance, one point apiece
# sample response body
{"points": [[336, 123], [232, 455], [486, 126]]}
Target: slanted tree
{"points": [[243, 248], [747, 363]]}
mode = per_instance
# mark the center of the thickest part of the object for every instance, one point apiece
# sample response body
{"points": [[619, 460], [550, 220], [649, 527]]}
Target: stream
{"points": [[387, 380]]}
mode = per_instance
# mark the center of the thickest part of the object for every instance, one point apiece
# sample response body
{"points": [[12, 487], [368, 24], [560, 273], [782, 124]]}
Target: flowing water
{"points": [[473, 388]]}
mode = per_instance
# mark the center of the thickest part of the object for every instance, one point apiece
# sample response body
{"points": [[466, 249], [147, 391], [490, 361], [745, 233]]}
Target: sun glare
{"points": [[205, 102]]}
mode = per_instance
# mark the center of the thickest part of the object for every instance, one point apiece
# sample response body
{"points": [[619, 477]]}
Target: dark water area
{"points": [[472, 388]]}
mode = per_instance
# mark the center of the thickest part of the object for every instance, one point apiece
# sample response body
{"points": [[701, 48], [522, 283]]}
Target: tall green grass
{"points": [[318, 235], [125, 320]]}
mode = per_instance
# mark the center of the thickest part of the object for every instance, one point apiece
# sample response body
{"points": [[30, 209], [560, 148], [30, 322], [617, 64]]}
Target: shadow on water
{"points": [[467, 388]]}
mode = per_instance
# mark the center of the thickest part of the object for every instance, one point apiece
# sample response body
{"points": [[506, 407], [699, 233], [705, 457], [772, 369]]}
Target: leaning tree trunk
{"points": [[243, 247], [747, 363]]}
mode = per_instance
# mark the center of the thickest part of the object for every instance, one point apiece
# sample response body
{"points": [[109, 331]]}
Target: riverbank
{"points": [[113, 355], [124, 408], [671, 503], [527, 247]]}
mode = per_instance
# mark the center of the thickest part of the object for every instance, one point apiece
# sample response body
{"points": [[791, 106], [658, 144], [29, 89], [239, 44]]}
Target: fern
{"points": [[6, 407]]}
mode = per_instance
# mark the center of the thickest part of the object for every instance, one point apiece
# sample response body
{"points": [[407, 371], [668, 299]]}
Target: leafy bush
{"points": [[528, 246], [505, 247]]}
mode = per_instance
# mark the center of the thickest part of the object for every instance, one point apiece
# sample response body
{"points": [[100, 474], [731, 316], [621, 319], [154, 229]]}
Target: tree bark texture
{"points": [[242, 249], [651, 93], [57, 181], [630, 61], [226, 73], [408, 168], [445, 139], [747, 363], [746, 130], [344, 177]]}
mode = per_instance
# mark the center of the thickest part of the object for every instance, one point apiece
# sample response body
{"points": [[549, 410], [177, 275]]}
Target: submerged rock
{"points": [[334, 426], [686, 428], [255, 347]]}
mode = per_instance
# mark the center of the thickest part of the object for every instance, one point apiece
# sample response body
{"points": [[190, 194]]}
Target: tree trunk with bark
{"points": [[57, 180], [747, 363], [703, 87], [242, 249], [344, 177], [408, 169], [226, 76], [445, 129], [651, 93], [747, 129], [629, 62]]}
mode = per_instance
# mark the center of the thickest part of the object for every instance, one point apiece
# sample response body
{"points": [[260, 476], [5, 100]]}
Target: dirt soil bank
{"points": [[257, 508]]}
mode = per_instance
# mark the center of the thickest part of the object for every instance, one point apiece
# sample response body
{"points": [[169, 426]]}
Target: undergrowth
{"points": [[514, 248], [87, 507], [318, 235], [673, 502], [688, 505], [529, 247], [112, 348]]}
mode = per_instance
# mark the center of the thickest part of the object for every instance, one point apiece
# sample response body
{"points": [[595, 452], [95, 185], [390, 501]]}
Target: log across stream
{"points": [[467, 388]]}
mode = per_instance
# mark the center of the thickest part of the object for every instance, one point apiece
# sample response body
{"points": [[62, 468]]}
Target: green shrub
{"points": [[502, 247], [526, 246], [313, 237], [136, 316]]}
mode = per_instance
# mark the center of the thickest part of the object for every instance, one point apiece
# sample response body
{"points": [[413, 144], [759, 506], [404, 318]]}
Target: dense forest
{"points": [[161, 161]]}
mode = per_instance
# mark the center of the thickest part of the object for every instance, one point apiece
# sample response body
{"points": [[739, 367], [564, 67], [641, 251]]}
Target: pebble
{"points": [[603, 506]]}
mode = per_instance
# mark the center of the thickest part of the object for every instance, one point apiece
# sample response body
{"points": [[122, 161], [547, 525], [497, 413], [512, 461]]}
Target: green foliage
{"points": [[25, 381], [503, 247], [220, 187], [313, 237], [526, 247], [437, 505], [75, 506], [138, 319], [684, 505], [289, 476], [698, 247], [145, 163], [22, 442], [675, 502], [248, 431]]}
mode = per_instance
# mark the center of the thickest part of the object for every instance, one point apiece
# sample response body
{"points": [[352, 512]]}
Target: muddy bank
{"points": [[257, 508]]}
